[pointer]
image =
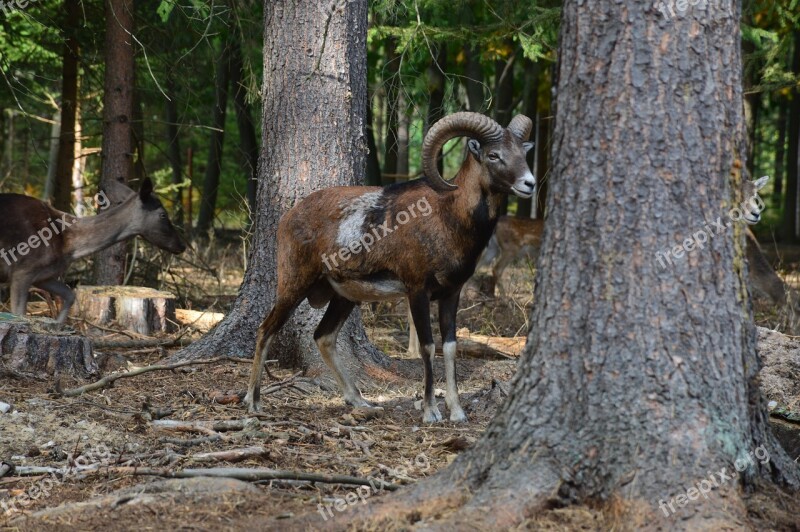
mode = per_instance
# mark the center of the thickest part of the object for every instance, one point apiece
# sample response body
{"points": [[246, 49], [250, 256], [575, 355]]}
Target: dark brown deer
{"points": [[38, 242]]}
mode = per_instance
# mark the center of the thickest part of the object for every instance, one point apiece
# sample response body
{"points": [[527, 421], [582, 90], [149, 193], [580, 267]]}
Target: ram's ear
{"points": [[760, 182], [146, 189], [474, 148], [527, 146]]}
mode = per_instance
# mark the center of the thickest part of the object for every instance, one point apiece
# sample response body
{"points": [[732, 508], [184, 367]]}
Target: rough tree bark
{"points": [[208, 202], [637, 381], [117, 154], [62, 192], [314, 94]]}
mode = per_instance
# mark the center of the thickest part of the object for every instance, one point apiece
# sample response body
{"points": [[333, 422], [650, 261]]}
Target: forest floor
{"points": [[102, 441]]}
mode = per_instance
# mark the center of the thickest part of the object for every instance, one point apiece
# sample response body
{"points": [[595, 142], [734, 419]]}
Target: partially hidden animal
{"points": [[38, 242]]}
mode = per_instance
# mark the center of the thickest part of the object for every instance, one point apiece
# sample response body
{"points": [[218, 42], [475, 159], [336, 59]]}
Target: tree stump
{"points": [[34, 348], [138, 309]]}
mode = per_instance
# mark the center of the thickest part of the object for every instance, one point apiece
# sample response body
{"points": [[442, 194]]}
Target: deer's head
{"points": [[147, 216], [753, 205]]}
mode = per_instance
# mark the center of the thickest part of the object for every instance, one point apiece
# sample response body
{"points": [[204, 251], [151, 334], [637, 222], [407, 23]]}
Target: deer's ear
{"points": [[116, 191], [760, 182], [146, 189]]}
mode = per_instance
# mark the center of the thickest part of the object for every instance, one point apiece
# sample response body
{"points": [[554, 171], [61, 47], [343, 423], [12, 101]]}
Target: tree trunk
{"points": [[543, 145], [302, 150], [474, 79], [117, 155], [174, 149], [780, 150], [62, 192], [404, 120], [436, 87], [392, 82], [504, 102], [790, 217], [637, 380], [524, 206], [373, 164], [208, 203], [28, 350], [248, 142]]}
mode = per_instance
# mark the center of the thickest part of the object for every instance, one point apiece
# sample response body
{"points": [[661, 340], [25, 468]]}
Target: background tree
{"points": [[118, 147], [621, 346], [313, 137]]}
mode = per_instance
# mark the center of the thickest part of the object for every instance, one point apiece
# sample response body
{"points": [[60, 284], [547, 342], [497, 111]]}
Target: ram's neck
{"points": [[473, 201]]}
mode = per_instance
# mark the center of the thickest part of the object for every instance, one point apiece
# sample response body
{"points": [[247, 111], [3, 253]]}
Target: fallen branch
{"points": [[256, 475], [193, 441], [206, 427], [110, 379], [231, 455]]}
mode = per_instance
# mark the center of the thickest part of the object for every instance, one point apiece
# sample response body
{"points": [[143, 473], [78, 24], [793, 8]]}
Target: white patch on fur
{"points": [[355, 212], [451, 395], [525, 185]]}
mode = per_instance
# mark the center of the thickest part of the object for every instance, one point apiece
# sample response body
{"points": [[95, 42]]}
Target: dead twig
{"points": [[255, 475], [206, 427], [110, 379]]}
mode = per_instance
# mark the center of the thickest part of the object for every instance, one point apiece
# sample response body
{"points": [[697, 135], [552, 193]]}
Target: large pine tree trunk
{"points": [[62, 193], [118, 89], [637, 381], [314, 94]]}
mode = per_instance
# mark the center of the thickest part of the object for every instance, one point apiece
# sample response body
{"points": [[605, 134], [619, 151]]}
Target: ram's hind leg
{"points": [[326, 334], [279, 314], [421, 311]]}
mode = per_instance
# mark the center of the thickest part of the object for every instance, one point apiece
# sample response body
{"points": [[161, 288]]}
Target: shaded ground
{"points": [[305, 427]]}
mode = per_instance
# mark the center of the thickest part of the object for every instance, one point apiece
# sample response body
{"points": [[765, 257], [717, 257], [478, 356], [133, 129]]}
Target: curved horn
{"points": [[521, 126], [462, 124]]}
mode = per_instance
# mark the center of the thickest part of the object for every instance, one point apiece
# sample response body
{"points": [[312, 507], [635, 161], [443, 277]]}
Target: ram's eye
{"points": [[163, 215], [493, 157]]}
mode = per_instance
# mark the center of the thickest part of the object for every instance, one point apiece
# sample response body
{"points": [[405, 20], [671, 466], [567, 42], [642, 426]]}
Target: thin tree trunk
{"points": [[62, 192], [302, 151], [524, 206], [52, 157], [139, 172], [780, 150], [638, 379], [247, 130], [403, 136], [78, 163], [208, 202], [373, 164], [543, 144], [174, 149], [790, 214], [504, 102], [474, 79], [392, 82], [118, 91], [436, 87]]}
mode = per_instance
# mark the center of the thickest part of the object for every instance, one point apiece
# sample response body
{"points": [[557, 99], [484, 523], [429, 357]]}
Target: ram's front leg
{"points": [[421, 312], [447, 325]]}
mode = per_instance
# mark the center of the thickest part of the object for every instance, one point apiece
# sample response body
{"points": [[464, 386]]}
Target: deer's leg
{"points": [[19, 295], [413, 339], [505, 258], [61, 290], [421, 311], [325, 335], [447, 323], [266, 333]]}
